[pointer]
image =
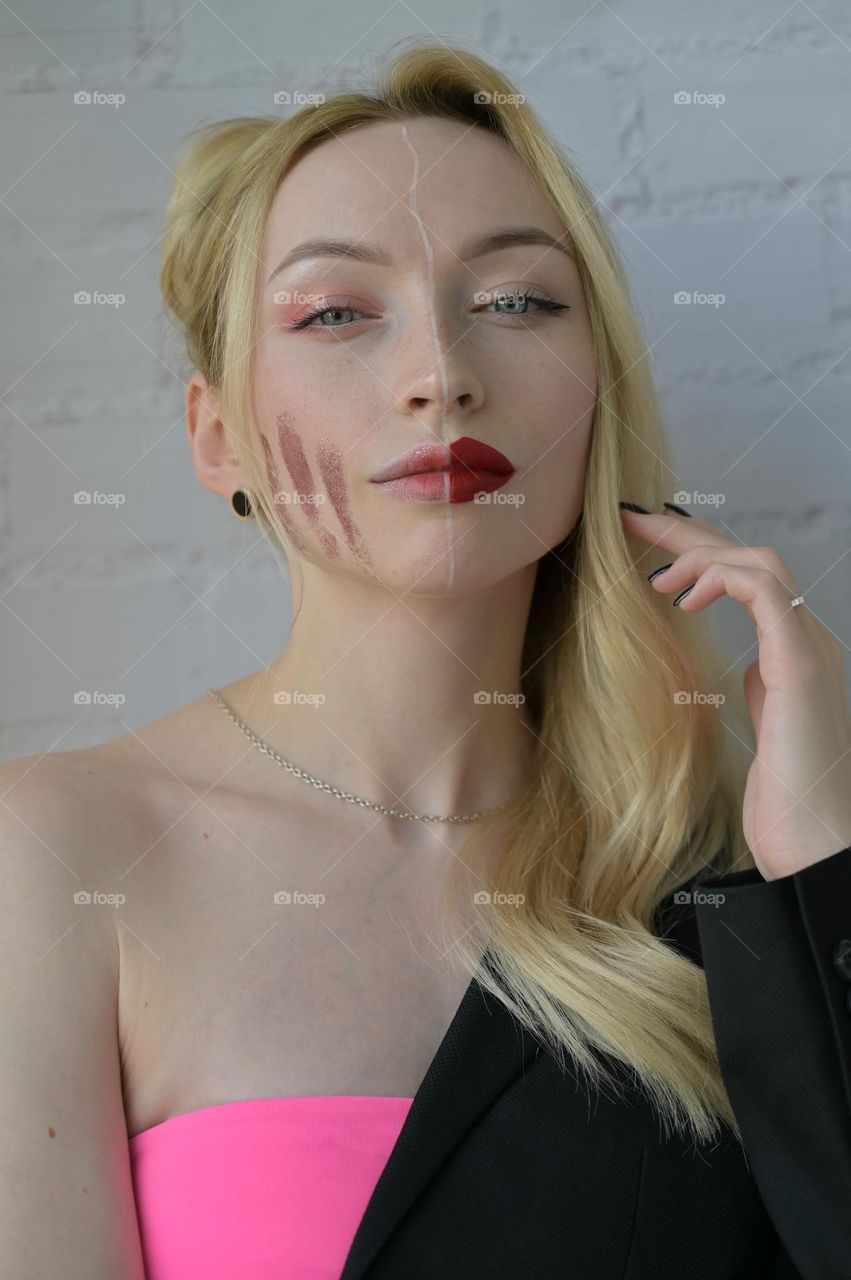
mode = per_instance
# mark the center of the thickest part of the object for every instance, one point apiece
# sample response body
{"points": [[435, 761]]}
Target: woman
{"points": [[525, 981]]}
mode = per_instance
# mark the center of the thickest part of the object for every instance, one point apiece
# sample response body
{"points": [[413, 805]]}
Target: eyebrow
{"points": [[360, 251]]}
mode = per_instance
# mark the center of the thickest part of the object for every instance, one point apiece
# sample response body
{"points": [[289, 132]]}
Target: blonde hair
{"points": [[635, 790]]}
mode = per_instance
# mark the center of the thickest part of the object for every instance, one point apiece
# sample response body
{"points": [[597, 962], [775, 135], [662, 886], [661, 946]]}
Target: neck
{"points": [[384, 693]]}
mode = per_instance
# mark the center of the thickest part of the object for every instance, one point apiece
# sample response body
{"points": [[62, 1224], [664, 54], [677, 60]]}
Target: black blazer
{"points": [[506, 1168]]}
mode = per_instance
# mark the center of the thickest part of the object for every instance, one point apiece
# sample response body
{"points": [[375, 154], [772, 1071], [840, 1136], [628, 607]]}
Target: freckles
{"points": [[331, 468], [274, 482], [294, 457]]}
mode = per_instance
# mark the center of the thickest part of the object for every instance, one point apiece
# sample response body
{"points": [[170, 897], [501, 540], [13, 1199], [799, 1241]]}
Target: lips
{"points": [[453, 472]]}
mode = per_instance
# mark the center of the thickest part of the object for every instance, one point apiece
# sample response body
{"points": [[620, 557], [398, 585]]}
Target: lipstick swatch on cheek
{"points": [[274, 481], [297, 465], [331, 468]]}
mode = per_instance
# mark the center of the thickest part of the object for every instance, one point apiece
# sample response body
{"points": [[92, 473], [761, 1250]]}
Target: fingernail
{"points": [[683, 594], [661, 569], [681, 511], [633, 506]]}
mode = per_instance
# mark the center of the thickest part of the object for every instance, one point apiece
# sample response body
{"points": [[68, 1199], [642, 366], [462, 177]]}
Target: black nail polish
{"points": [[681, 511], [633, 506], [661, 569], [683, 594]]}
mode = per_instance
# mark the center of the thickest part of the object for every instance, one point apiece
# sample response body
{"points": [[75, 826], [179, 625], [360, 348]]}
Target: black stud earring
{"points": [[241, 503]]}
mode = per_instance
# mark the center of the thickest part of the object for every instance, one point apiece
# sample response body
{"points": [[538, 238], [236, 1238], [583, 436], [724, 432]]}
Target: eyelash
{"points": [[546, 305]]}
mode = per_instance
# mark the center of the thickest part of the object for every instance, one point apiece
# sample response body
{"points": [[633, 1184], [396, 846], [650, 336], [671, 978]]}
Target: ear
{"points": [[215, 463]]}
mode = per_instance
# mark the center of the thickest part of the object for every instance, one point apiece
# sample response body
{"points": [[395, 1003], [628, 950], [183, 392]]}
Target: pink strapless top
{"points": [[268, 1187]]}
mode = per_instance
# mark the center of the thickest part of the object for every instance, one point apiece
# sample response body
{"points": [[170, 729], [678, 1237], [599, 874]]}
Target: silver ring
{"points": [[798, 600]]}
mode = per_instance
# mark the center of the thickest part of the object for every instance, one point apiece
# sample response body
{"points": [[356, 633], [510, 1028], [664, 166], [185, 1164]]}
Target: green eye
{"points": [[306, 321], [518, 303]]}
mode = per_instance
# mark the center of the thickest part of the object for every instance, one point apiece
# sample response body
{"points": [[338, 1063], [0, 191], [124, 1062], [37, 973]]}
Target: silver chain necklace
{"points": [[345, 795]]}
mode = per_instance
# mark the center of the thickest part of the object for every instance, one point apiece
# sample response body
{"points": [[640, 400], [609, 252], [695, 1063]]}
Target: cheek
{"points": [[307, 492], [331, 469], [319, 495], [558, 459], [557, 442], [566, 404], [277, 488]]}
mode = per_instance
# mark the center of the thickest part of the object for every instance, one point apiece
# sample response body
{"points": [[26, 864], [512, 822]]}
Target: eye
{"points": [[518, 303], [306, 321]]}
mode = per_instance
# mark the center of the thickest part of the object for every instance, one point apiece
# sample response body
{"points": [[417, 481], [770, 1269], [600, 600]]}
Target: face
{"points": [[425, 400]]}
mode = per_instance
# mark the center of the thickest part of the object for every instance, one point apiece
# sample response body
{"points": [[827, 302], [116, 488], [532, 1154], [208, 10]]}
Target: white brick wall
{"points": [[751, 199]]}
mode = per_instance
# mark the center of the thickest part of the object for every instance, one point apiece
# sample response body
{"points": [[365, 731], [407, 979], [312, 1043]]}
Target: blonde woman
{"points": [[457, 940]]}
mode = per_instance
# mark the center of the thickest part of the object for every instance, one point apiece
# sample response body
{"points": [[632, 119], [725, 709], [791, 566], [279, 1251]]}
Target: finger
{"points": [[674, 533], [766, 600], [692, 563]]}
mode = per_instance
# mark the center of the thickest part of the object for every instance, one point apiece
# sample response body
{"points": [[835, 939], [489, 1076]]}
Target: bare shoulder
{"points": [[53, 807], [63, 807], [174, 743], [78, 812]]}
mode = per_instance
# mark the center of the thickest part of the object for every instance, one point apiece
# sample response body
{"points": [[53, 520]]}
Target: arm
{"points": [[777, 958], [66, 1199]]}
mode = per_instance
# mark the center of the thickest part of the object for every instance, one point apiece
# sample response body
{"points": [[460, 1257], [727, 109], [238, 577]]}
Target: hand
{"points": [[797, 802]]}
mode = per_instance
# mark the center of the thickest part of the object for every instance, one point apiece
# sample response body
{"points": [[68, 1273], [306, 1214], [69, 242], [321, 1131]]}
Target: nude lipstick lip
{"points": [[437, 472]]}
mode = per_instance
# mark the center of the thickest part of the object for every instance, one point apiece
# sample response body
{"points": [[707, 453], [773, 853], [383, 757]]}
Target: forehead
{"points": [[362, 183]]}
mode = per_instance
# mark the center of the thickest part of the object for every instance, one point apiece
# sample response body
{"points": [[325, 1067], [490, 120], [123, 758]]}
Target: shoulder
{"points": [[177, 743], [69, 817], [72, 824], [55, 802], [87, 812], [75, 795], [61, 818]]}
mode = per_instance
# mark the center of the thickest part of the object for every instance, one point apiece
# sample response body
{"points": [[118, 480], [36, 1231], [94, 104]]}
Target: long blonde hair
{"points": [[635, 789]]}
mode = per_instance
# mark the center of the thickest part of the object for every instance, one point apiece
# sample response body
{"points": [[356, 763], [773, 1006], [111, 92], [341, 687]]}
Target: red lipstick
{"points": [[437, 472]]}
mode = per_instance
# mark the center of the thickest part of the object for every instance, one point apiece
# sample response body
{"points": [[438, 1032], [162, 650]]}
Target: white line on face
{"points": [[441, 364]]}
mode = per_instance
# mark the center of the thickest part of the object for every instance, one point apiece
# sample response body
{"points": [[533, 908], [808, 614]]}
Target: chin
{"points": [[435, 573]]}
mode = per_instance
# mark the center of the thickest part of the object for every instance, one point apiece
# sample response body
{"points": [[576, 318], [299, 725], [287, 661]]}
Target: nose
{"points": [[444, 382]]}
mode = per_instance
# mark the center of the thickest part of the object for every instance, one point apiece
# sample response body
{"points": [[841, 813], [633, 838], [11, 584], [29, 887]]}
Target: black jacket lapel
{"points": [[483, 1050]]}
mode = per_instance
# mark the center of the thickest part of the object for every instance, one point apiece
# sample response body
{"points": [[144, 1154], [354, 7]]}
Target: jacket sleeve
{"points": [[777, 959]]}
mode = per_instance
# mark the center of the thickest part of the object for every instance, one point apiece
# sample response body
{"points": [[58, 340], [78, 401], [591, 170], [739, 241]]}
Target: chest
{"points": [[267, 965]]}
